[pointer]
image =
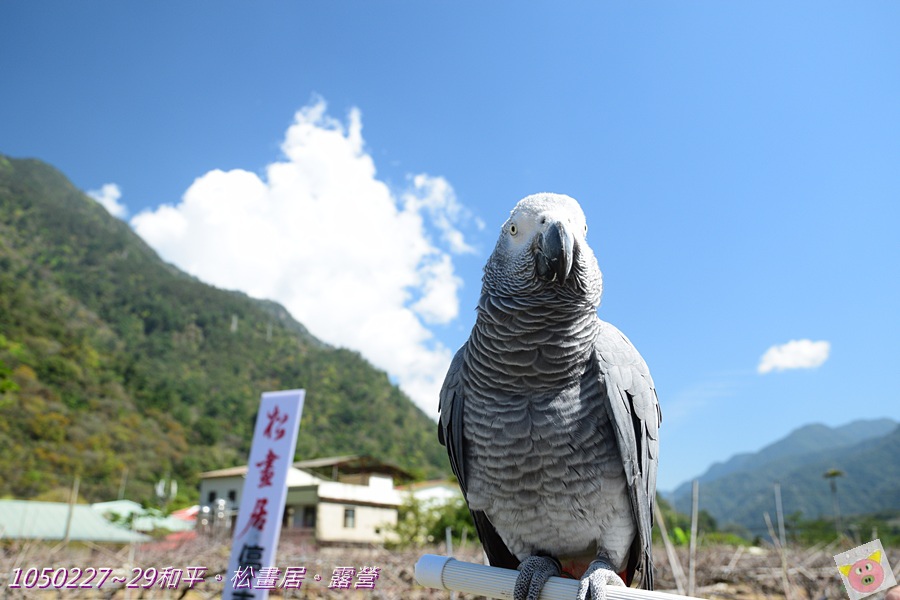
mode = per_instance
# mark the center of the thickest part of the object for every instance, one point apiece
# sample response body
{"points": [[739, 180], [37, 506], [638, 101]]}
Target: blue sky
{"points": [[738, 163]]}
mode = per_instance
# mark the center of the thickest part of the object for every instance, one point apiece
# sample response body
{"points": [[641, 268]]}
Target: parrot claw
{"points": [[534, 572], [595, 580]]}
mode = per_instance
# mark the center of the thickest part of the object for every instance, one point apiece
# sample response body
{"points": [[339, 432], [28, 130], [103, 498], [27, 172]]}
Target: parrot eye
{"points": [[513, 230], [585, 229]]}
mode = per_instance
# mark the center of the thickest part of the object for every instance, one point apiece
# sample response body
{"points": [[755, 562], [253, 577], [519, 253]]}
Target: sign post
{"points": [[251, 568]]}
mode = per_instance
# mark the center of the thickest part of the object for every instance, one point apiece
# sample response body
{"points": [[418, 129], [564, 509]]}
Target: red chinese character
{"points": [[275, 418], [265, 478], [258, 516]]}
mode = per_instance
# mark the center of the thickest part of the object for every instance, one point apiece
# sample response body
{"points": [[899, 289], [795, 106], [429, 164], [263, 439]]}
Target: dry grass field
{"points": [[722, 572]]}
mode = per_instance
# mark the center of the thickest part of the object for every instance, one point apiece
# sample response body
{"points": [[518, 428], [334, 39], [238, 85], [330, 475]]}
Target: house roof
{"points": [[329, 467], [228, 472], [144, 519], [353, 464], [120, 508], [433, 483], [186, 514], [295, 477], [439, 491], [24, 519]]}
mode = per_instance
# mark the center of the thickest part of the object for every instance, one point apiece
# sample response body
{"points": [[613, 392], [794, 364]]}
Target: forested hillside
{"points": [[804, 441], [864, 453], [111, 359]]}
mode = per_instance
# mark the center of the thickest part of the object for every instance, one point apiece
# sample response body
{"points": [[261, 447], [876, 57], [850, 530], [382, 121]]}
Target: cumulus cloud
{"points": [[360, 265], [108, 195], [434, 195], [796, 354]]}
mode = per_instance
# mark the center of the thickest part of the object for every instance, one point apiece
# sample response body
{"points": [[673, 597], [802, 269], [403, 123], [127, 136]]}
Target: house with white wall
{"points": [[434, 493], [342, 499]]}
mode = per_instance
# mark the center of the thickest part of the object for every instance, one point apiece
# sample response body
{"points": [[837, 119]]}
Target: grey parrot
{"points": [[550, 416]]}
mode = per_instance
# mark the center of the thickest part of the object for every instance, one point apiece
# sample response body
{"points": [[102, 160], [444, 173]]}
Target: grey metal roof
{"points": [[24, 519]]}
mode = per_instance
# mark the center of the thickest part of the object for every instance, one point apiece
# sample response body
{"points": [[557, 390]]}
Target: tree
{"points": [[455, 515], [414, 522], [831, 475]]}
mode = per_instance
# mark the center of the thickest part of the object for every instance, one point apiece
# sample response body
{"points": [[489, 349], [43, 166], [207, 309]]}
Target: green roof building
{"points": [[27, 520]]}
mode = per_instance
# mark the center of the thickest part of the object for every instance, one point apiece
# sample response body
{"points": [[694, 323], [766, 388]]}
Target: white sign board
{"points": [[258, 525]]}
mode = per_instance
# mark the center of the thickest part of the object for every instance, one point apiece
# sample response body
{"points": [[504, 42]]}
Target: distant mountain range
{"points": [[741, 489], [116, 366]]}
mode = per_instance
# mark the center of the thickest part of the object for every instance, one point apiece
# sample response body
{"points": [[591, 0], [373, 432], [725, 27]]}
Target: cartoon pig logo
{"points": [[865, 575]]}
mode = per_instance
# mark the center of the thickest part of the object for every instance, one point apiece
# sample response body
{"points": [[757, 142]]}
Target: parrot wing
{"points": [[450, 434], [636, 418]]}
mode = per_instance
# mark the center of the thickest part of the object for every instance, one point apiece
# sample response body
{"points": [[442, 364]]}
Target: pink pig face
{"points": [[865, 575]]}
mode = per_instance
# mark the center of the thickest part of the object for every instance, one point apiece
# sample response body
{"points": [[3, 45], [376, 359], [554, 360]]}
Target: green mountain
{"points": [[113, 362], [741, 490], [808, 439]]}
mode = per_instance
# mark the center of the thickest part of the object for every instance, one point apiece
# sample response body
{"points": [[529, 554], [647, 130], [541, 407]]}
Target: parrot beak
{"points": [[554, 252]]}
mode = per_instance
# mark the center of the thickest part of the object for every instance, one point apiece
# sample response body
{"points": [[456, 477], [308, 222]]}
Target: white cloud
{"points": [[108, 195], [796, 354], [435, 195], [438, 284], [352, 260]]}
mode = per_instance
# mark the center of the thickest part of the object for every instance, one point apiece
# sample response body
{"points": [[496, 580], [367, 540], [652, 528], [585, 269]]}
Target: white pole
{"points": [[449, 534], [692, 560], [446, 573], [677, 570], [780, 514]]}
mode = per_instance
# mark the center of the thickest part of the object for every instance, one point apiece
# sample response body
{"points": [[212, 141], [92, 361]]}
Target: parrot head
{"points": [[543, 248]]}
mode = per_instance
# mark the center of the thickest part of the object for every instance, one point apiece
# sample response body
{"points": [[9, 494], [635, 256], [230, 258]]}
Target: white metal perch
{"points": [[446, 573]]}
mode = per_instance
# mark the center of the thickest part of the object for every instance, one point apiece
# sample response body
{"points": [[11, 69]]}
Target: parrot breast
{"points": [[543, 461]]}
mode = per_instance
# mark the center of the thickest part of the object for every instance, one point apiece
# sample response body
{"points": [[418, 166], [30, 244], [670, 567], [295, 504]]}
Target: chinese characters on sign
{"points": [[266, 469], [275, 419], [262, 502]]}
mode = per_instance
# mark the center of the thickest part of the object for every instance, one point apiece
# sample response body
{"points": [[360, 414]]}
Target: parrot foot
{"points": [[594, 581], [534, 572]]}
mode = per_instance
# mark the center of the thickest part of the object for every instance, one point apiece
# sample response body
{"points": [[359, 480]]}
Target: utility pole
{"points": [[73, 498], [123, 483]]}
